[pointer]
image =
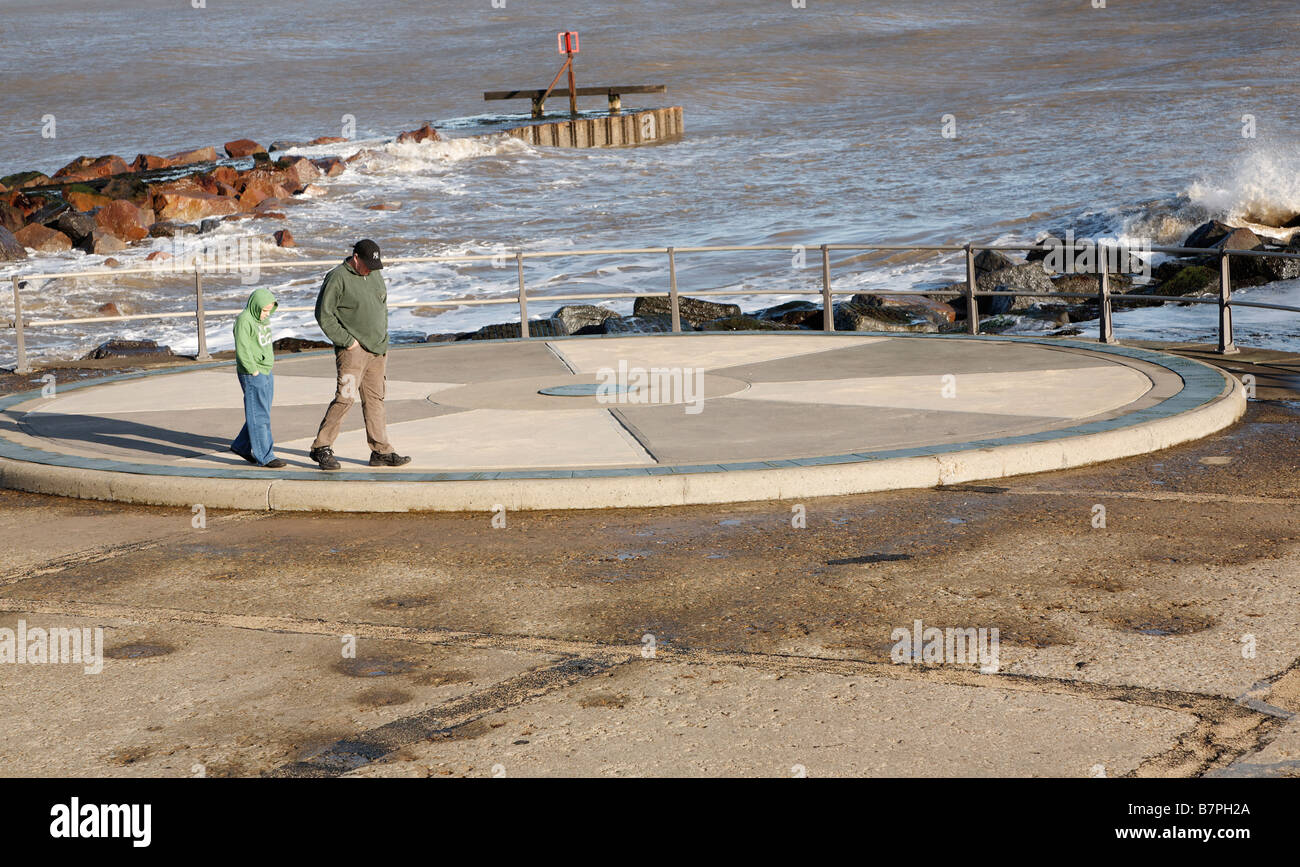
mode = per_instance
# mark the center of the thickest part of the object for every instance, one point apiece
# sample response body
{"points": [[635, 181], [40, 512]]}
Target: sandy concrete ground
{"points": [[1164, 643]]}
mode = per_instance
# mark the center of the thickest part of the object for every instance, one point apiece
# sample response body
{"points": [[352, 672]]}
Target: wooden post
{"points": [[828, 313], [615, 103], [972, 304], [199, 315], [539, 106], [523, 298], [1227, 346], [672, 292], [21, 367]]}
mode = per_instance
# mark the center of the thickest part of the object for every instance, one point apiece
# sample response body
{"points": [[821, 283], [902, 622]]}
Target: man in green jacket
{"points": [[352, 310]]}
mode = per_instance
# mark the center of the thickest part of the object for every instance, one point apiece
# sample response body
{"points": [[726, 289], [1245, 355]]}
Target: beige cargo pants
{"points": [[360, 374]]}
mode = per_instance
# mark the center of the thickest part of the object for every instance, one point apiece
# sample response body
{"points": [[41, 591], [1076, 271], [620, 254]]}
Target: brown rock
{"points": [[331, 167], [43, 239], [302, 172], [244, 147], [228, 175], [259, 184], [207, 184], [24, 204], [180, 185], [11, 249], [22, 180], [127, 187], [424, 133], [284, 238], [937, 311], [149, 163], [123, 220], [101, 243], [11, 218], [109, 309], [198, 155], [189, 207], [110, 262], [385, 206], [158, 255], [327, 139], [268, 215], [88, 168], [86, 202]]}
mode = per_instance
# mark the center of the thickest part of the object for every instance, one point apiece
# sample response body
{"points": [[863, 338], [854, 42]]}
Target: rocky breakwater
{"points": [[103, 205]]}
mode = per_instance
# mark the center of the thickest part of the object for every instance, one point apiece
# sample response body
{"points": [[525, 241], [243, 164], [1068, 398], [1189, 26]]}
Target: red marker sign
{"points": [[567, 41]]}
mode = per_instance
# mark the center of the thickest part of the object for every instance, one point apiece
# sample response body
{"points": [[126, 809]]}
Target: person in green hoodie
{"points": [[253, 359]]}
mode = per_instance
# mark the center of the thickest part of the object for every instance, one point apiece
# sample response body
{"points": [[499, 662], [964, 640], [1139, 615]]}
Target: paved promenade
{"points": [[690, 418]]}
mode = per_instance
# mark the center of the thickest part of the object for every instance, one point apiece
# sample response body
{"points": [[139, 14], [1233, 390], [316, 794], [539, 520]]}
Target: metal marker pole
{"points": [[972, 305], [21, 366], [1103, 302], [200, 317], [672, 291], [828, 315], [523, 298], [1227, 346]]}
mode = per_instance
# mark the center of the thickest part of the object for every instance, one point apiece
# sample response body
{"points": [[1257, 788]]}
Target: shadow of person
{"points": [[123, 434]]}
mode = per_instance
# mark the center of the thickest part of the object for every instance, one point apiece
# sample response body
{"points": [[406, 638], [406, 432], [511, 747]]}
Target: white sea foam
{"points": [[1262, 188]]}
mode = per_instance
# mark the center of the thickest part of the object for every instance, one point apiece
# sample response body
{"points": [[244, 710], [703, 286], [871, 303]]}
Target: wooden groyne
{"points": [[636, 127]]}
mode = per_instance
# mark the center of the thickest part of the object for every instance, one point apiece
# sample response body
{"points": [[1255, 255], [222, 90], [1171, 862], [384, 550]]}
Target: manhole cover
{"points": [[584, 389]]}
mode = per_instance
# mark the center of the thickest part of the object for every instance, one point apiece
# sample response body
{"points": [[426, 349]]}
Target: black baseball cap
{"points": [[368, 252]]}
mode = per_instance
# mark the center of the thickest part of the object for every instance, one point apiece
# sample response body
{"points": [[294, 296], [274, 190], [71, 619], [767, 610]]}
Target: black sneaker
{"points": [[275, 464], [325, 457], [392, 459], [245, 455]]}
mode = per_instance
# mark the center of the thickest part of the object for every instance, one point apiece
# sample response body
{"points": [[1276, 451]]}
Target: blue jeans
{"points": [[255, 437]]}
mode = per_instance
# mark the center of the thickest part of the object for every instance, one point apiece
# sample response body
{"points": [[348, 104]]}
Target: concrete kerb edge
{"points": [[627, 491]]}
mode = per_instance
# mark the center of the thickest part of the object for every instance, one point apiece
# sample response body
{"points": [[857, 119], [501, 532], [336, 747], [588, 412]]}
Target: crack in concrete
{"points": [[443, 719]]}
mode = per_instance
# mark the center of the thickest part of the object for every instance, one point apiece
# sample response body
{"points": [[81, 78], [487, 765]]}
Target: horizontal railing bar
{"points": [[468, 302], [553, 254]]}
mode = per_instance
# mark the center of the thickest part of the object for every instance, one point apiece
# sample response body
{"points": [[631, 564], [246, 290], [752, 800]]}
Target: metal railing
{"points": [[970, 292]]}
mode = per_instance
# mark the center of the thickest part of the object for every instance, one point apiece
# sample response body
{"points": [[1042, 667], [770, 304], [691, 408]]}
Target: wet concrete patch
{"points": [[382, 697], [869, 558], [374, 666], [1161, 622], [128, 756], [403, 603], [442, 678], [140, 650], [604, 699]]}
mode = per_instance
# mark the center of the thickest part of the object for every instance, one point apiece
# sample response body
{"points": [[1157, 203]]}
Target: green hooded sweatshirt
{"points": [[351, 307], [253, 353]]}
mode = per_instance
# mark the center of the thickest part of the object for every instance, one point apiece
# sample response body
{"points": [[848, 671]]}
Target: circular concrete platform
{"points": [[638, 421]]}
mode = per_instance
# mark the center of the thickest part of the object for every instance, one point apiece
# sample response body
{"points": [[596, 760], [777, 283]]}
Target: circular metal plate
{"points": [[584, 389]]}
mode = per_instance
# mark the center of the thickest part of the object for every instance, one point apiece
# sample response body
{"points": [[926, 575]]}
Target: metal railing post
{"points": [[200, 317], [972, 306], [523, 297], [1103, 302], [21, 366], [1226, 344], [673, 303], [828, 313]]}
